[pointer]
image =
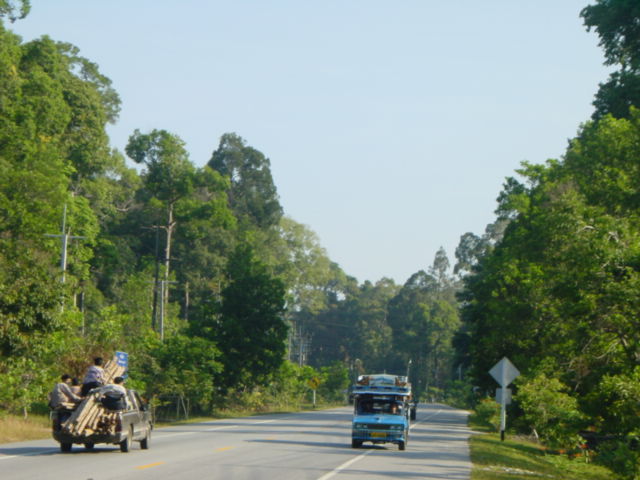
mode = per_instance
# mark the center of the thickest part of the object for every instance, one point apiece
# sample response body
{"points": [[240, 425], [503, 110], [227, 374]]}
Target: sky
{"points": [[390, 125]]}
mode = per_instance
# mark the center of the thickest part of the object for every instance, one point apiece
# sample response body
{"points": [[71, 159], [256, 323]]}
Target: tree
{"points": [[169, 177], [40, 84], [14, 10], [558, 293], [423, 317], [250, 329], [252, 195], [617, 23]]}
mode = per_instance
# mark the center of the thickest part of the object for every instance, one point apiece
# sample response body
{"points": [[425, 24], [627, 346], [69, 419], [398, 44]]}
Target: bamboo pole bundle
{"points": [[85, 419]]}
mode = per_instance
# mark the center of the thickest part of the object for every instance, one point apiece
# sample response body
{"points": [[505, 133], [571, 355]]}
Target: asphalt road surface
{"points": [[312, 445]]}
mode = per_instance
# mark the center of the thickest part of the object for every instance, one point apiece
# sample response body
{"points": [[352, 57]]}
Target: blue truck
{"points": [[381, 410]]}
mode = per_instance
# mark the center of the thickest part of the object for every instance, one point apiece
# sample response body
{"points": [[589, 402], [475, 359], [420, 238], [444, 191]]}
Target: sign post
{"points": [[504, 373]]}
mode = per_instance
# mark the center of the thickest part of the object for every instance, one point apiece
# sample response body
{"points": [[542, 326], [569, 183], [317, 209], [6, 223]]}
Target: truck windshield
{"points": [[377, 407]]}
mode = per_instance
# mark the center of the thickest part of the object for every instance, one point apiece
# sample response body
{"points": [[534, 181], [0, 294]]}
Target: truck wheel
{"points": [[125, 445], [413, 414], [89, 445], [65, 447], [144, 443], [401, 445], [356, 443]]}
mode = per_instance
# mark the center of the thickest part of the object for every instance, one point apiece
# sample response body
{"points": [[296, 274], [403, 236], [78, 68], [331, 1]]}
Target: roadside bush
{"points": [[614, 403], [487, 413], [621, 457], [334, 382], [459, 394], [549, 410]]}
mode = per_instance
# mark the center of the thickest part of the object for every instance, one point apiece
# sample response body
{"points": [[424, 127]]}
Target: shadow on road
{"points": [[27, 451]]}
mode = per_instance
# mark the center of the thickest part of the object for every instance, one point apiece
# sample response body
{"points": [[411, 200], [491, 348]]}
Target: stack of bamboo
{"points": [[90, 417]]}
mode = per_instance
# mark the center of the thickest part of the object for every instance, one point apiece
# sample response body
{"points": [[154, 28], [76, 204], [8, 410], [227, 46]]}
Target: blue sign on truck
{"points": [[381, 410]]}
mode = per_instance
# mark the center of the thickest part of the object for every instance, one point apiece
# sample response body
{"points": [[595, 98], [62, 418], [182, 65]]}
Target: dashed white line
{"points": [[346, 464]]}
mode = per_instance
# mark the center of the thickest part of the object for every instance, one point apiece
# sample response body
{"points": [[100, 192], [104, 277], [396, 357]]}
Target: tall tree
{"points": [[617, 23], [250, 330], [252, 195], [169, 177]]}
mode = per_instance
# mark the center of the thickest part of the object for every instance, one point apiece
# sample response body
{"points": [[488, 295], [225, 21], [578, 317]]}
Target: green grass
{"points": [[516, 458]]}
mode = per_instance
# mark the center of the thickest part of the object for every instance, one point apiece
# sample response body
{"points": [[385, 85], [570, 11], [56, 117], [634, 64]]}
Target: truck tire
{"points": [[356, 443], [413, 414], [144, 443], [65, 447], [125, 445], [401, 445], [89, 445]]}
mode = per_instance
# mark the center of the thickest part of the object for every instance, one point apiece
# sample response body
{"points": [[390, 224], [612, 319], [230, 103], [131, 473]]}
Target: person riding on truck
{"points": [[114, 395], [62, 393], [94, 377]]}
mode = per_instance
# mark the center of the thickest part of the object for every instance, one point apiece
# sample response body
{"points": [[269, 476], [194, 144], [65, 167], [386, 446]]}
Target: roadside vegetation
{"points": [[225, 303], [14, 428], [520, 456]]}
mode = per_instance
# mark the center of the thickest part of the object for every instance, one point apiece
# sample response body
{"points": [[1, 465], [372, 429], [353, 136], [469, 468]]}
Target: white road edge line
{"points": [[346, 464]]}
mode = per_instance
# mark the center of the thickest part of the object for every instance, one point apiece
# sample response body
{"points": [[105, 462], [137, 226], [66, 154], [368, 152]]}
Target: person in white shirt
{"points": [[94, 377]]}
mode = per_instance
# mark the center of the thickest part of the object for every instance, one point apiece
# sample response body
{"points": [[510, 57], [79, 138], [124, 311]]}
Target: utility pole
{"points": [[156, 276], [64, 237], [163, 288]]}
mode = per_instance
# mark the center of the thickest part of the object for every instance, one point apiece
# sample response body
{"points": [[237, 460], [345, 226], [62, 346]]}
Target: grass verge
{"points": [[17, 429], [517, 458]]}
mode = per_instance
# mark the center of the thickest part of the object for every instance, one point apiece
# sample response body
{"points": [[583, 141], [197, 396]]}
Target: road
{"points": [[311, 445]]}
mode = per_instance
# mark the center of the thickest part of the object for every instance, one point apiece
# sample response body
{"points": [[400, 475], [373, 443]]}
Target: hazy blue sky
{"points": [[390, 125]]}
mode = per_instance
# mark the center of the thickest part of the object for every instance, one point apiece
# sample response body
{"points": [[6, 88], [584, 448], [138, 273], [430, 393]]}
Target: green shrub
{"points": [[620, 456], [487, 413], [459, 394], [549, 410]]}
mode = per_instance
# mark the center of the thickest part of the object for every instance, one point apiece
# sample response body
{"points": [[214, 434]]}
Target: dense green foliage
{"points": [[617, 23], [195, 272], [557, 292]]}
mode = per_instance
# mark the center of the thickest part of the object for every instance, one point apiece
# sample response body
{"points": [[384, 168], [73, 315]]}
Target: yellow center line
{"points": [[142, 467], [222, 449]]}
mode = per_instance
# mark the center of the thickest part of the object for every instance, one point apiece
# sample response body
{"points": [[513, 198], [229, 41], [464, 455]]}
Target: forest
{"points": [[195, 272], [218, 296]]}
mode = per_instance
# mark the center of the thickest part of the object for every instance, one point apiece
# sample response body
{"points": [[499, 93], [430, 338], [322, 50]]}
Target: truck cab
{"points": [[381, 410]]}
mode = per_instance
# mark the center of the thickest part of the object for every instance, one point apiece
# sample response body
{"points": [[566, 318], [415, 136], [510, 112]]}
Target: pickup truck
{"points": [[120, 427]]}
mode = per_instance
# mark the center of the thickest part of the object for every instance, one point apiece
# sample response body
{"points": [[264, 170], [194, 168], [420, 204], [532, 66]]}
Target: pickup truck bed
{"points": [[119, 427]]}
